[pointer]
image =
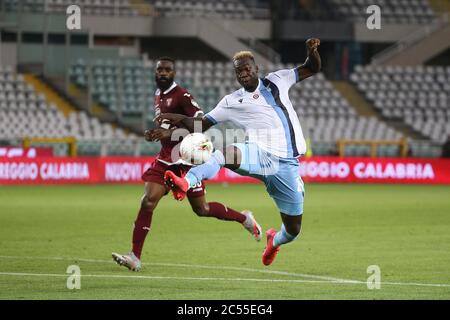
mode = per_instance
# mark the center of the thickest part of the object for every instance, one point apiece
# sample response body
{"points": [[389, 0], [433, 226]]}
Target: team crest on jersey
{"points": [[169, 101], [255, 96]]}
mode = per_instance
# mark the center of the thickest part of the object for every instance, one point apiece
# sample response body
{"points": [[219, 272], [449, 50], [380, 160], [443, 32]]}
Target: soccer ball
{"points": [[196, 148]]}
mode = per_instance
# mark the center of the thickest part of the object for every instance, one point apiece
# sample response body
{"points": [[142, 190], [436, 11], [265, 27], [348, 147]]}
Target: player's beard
{"points": [[163, 83], [250, 85]]}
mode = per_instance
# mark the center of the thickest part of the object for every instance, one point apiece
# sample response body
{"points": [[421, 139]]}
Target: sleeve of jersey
{"points": [[190, 106], [219, 113], [287, 77]]}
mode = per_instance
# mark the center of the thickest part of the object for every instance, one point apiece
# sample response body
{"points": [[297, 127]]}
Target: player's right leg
{"points": [[153, 193], [205, 171]]}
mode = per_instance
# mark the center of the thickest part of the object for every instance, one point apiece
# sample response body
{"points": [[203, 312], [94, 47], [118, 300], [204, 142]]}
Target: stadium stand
{"points": [[404, 11], [230, 9], [23, 113], [394, 11], [419, 96], [309, 10], [93, 7], [122, 85], [326, 116]]}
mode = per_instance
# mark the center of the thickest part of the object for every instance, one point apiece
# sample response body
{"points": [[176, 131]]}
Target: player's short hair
{"points": [[243, 55], [166, 58]]}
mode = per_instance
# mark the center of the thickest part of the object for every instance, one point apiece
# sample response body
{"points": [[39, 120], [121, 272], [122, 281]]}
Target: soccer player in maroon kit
{"points": [[171, 98]]}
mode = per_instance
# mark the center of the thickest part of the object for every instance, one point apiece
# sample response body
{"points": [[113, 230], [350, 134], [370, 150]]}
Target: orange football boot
{"points": [[270, 252], [178, 185]]}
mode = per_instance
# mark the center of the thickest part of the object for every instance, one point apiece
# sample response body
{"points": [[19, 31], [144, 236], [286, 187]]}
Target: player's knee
{"points": [[201, 210], [148, 203]]}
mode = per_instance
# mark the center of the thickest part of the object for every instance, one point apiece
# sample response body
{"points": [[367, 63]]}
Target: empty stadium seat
{"points": [[24, 112], [393, 11], [325, 114], [230, 9], [418, 96], [92, 7]]}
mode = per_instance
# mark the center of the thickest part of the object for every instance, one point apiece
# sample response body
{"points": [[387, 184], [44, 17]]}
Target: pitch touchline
{"points": [[323, 278], [15, 274], [168, 278], [176, 265]]}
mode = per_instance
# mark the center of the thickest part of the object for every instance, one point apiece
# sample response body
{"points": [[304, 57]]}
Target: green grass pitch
{"points": [[405, 230]]}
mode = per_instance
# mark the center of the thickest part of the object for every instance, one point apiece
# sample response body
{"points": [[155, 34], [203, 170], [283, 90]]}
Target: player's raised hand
{"points": [[312, 44]]}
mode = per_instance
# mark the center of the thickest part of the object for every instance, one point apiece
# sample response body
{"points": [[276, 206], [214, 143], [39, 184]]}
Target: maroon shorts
{"points": [[156, 174]]}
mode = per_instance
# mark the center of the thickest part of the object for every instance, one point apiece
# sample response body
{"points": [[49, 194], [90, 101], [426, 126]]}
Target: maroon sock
{"points": [[221, 212], [141, 228]]}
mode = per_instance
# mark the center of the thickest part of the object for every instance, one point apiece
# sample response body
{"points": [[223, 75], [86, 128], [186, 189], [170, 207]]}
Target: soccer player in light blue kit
{"points": [[274, 144]]}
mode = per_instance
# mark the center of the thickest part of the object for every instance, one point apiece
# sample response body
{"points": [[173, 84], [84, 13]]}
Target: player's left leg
{"points": [[221, 212], [290, 230]]}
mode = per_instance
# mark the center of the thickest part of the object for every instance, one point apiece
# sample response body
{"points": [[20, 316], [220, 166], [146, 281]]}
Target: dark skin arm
{"points": [[191, 124], [158, 134], [312, 63]]}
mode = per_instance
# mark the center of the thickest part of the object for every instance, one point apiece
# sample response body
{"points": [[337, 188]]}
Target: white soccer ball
{"points": [[196, 148]]}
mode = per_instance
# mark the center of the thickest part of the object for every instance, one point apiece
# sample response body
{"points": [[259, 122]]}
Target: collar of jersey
{"points": [[259, 87], [174, 84]]}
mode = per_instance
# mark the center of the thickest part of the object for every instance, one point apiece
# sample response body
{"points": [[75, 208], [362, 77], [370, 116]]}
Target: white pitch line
{"points": [[194, 266], [323, 279], [166, 278], [15, 274]]}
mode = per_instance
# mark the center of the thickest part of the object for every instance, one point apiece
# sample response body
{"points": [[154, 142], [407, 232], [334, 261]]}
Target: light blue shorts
{"points": [[280, 175]]}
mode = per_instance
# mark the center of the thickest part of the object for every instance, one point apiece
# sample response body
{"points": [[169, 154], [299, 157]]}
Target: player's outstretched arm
{"points": [[312, 63], [190, 123]]}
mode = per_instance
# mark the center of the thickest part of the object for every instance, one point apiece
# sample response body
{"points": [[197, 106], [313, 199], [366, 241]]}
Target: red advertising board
{"points": [[18, 152], [91, 170], [376, 170]]}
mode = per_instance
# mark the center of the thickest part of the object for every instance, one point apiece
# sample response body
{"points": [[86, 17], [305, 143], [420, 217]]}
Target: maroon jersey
{"points": [[174, 100]]}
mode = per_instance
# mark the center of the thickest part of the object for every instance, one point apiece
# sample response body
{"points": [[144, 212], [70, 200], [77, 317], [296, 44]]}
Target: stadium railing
{"points": [[139, 147], [71, 142]]}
